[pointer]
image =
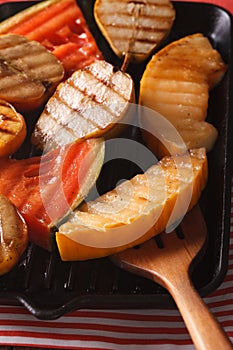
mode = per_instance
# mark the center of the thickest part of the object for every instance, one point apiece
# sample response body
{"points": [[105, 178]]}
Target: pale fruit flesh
{"points": [[93, 102], [176, 84], [134, 28], [136, 210]]}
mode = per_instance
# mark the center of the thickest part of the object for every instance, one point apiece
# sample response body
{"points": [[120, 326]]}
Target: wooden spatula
{"points": [[169, 266]]}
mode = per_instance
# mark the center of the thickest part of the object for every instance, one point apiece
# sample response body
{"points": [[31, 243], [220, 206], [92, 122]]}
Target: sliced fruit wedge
{"points": [[136, 210], [29, 73], [93, 102], [12, 129], [46, 188], [134, 28], [176, 84], [13, 234], [60, 26]]}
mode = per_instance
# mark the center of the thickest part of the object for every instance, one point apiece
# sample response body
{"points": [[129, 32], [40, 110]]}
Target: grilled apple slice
{"points": [[134, 28], [12, 129], [14, 235], [93, 102], [136, 210], [176, 84], [28, 72]]}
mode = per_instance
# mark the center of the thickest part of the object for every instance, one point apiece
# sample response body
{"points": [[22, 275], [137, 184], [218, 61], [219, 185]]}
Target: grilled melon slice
{"points": [[136, 210], [176, 84], [94, 102], [134, 28]]}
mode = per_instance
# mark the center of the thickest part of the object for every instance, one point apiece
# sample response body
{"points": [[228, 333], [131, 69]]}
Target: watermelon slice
{"points": [[46, 188]]}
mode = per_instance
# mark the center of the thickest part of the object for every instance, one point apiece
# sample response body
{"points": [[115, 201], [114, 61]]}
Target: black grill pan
{"points": [[50, 288]]}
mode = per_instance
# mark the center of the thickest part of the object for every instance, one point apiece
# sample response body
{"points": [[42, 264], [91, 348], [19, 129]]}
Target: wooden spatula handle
{"points": [[205, 331]]}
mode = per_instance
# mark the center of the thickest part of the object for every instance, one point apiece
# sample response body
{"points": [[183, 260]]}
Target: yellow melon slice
{"points": [[136, 210]]}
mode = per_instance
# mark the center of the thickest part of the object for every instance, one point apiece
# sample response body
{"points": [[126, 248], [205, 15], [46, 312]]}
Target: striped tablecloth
{"points": [[118, 329]]}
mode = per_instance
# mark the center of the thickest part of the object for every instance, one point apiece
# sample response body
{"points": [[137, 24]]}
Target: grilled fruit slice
{"points": [[46, 188], [12, 129], [136, 210], [13, 233], [28, 72], [93, 102], [60, 26], [134, 28], [176, 84]]}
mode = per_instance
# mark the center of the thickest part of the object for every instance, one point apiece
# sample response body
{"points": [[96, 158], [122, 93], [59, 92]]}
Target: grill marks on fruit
{"points": [[87, 96], [5, 124], [12, 129], [135, 26], [29, 73], [179, 81], [62, 29], [91, 101], [28, 59], [136, 210], [176, 84]]}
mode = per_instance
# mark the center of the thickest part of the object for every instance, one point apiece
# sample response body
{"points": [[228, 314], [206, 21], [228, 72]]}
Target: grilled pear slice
{"points": [[176, 84], [94, 102], [135, 210], [13, 233], [29, 73], [134, 28]]}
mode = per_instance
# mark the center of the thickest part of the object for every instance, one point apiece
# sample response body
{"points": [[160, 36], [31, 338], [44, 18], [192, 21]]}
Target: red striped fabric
{"points": [[118, 329]]}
